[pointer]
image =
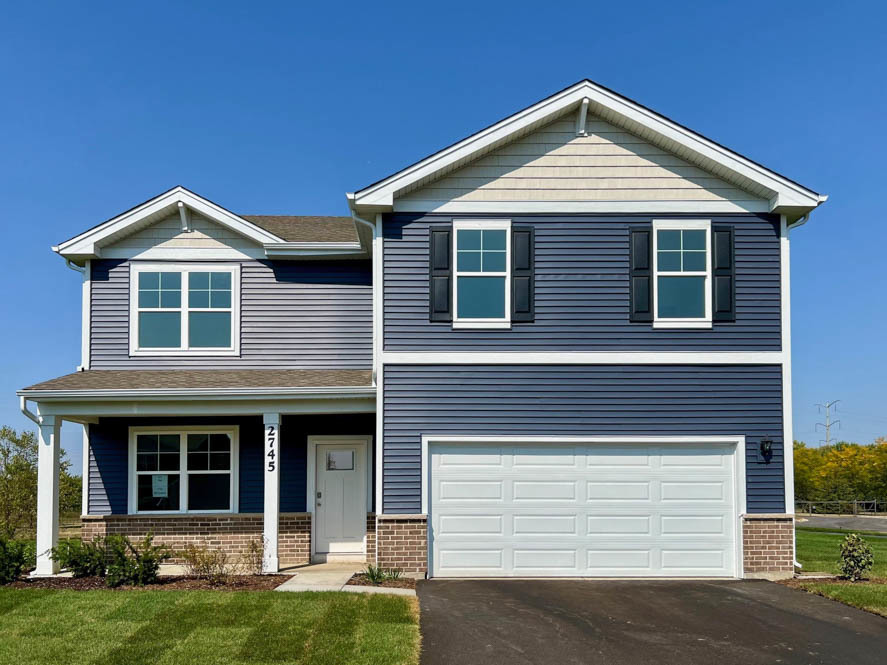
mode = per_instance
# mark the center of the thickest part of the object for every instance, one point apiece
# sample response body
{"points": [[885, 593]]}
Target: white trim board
{"points": [[583, 358], [619, 110], [739, 471], [787, 424], [311, 474]]}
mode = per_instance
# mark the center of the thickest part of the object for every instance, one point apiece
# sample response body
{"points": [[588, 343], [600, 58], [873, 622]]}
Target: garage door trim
{"points": [[737, 443]]}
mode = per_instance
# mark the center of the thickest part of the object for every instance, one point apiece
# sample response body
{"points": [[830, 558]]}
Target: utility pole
{"points": [[829, 423]]}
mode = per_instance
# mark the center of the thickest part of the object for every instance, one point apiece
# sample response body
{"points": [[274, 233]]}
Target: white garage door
{"points": [[539, 510]]}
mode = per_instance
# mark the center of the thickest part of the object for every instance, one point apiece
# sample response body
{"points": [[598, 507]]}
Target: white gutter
{"points": [[375, 231], [23, 404], [74, 266], [284, 249], [198, 393]]}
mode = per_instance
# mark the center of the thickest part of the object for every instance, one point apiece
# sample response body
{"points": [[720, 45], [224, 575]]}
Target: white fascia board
{"points": [[199, 394], [785, 192], [296, 249], [641, 207], [584, 358], [89, 242]]}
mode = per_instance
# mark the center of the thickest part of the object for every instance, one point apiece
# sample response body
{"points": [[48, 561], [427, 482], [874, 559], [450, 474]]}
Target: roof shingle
{"points": [[307, 228], [137, 379]]}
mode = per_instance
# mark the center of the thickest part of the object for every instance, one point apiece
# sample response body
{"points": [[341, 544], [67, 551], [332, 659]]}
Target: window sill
{"points": [[179, 513], [185, 352], [682, 324], [481, 325]]}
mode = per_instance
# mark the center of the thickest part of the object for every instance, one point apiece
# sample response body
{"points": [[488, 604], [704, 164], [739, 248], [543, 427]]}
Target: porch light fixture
{"points": [[767, 449]]}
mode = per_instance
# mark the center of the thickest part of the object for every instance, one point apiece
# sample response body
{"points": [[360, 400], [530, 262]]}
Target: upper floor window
{"points": [[178, 309], [682, 274], [482, 297]]}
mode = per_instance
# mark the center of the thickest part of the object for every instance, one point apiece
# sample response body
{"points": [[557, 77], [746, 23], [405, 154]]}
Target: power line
{"points": [[829, 423]]}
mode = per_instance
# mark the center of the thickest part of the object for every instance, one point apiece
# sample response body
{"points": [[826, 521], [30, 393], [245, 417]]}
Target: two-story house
{"points": [[558, 347]]}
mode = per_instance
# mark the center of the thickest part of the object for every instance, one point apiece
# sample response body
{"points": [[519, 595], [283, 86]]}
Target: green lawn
{"points": [[871, 596], [173, 627], [819, 552]]}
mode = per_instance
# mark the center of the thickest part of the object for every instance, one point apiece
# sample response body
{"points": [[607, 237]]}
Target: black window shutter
{"points": [[723, 268], [641, 274], [522, 279], [440, 274]]}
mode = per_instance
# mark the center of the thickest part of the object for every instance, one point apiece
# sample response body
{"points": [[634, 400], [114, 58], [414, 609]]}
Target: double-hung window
{"points": [[482, 294], [175, 470], [189, 309], [682, 274]]}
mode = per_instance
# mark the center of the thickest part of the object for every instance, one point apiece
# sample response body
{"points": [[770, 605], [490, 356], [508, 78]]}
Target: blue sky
{"points": [[283, 107]]}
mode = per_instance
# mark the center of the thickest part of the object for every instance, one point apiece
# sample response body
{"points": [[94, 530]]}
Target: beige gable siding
{"points": [[167, 234], [553, 164]]}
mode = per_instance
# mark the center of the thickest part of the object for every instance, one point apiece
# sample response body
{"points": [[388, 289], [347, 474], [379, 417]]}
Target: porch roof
{"points": [[126, 381]]}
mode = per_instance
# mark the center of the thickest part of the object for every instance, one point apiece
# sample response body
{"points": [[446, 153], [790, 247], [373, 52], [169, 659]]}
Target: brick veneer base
{"points": [[231, 533], [402, 542], [768, 544], [371, 538]]}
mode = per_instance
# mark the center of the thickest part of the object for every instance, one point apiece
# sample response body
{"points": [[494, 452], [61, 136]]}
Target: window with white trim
{"points": [[187, 309], [682, 274], [183, 471], [482, 297]]}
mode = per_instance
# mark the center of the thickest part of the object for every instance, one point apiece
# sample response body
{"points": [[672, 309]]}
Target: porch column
{"points": [[47, 494], [271, 460]]}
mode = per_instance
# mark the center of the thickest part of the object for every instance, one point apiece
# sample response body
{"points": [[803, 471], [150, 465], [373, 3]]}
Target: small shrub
{"points": [[206, 563], [12, 560], [856, 557], [252, 560], [84, 559], [134, 564], [393, 573], [375, 574]]}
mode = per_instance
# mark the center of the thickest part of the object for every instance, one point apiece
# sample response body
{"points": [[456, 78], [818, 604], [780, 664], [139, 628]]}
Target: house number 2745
{"points": [[271, 446]]}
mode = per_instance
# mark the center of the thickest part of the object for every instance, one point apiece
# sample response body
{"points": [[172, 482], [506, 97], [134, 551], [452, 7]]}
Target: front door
{"points": [[340, 498]]}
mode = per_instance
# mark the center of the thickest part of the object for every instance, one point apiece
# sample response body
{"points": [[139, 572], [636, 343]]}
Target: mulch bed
{"points": [[403, 583], [165, 583]]}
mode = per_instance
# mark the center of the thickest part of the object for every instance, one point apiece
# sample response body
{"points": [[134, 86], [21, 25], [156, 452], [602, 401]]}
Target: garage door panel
{"points": [[638, 516]]}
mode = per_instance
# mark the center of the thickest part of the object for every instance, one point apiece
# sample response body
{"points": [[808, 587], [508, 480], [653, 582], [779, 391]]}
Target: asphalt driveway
{"points": [[637, 622], [850, 522]]}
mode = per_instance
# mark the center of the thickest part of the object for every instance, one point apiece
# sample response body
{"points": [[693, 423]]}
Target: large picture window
{"points": [[483, 258], [182, 471], [682, 274], [184, 309]]}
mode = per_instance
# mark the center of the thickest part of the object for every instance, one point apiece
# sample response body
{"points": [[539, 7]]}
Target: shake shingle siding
{"points": [[581, 293], [307, 315], [626, 400]]}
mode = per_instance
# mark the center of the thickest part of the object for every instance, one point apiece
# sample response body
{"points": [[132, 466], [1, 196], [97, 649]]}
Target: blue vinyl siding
{"points": [[293, 315], [108, 464], [581, 293], [581, 400]]}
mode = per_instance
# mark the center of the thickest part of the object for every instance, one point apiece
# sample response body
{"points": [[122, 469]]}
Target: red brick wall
{"points": [[371, 538], [768, 545], [231, 533], [402, 542]]}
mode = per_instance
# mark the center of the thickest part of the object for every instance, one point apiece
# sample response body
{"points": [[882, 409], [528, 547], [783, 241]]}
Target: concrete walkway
{"points": [[332, 577]]}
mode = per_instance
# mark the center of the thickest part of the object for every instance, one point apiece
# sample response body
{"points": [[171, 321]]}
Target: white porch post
{"points": [[47, 494], [271, 461]]}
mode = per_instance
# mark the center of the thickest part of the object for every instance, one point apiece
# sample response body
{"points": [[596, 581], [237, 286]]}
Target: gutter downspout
{"points": [[74, 266], [372, 226], [23, 404], [800, 222]]}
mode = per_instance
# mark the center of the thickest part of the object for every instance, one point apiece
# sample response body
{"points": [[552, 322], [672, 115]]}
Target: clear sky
{"points": [[280, 108]]}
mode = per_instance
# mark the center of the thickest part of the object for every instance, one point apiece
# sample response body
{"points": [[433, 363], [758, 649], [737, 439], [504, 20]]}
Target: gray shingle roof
{"points": [[307, 228], [137, 379]]}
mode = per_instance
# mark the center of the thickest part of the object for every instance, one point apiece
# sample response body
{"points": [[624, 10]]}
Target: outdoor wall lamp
{"points": [[767, 449]]}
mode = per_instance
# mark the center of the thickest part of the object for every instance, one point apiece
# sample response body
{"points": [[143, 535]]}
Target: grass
{"points": [[819, 552], [212, 628], [869, 596]]}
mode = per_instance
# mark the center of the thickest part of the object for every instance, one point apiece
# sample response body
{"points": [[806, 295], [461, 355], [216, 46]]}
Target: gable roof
{"points": [[783, 194], [289, 236]]}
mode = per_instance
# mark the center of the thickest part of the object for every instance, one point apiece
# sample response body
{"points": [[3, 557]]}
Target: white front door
{"points": [[340, 498]]}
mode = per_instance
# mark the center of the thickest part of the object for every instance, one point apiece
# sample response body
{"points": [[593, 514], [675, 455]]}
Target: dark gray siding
{"points": [[306, 315], [582, 290], [581, 400], [108, 463]]}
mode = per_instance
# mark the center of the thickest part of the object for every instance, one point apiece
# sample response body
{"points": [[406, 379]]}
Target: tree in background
{"points": [[18, 484], [842, 472]]}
